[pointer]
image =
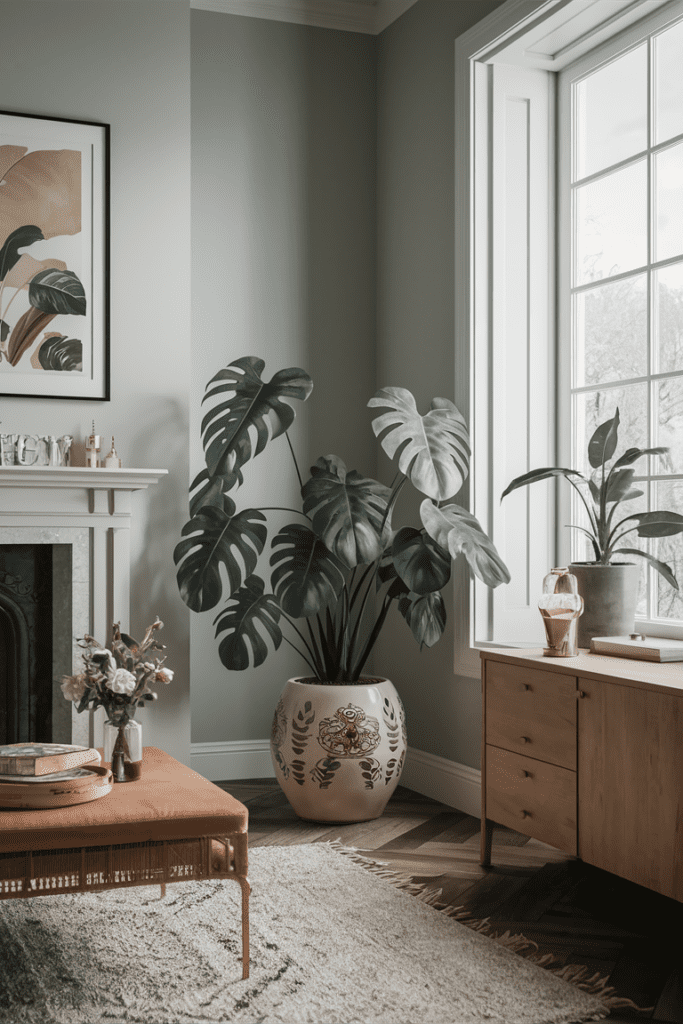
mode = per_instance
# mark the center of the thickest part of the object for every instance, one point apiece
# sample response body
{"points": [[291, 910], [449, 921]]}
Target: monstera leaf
{"points": [[308, 576], [247, 607], [434, 450], [211, 538], [347, 511], [456, 530], [210, 490], [255, 407], [420, 562], [57, 291], [426, 616]]}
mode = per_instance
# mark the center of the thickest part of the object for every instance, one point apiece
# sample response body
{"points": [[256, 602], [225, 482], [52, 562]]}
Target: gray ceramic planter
{"points": [[609, 593]]}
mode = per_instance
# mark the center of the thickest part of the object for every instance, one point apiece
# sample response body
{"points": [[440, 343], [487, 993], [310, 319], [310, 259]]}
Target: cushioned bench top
{"points": [[169, 801]]}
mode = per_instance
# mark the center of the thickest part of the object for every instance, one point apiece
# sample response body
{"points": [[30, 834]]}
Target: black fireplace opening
{"points": [[35, 642]]}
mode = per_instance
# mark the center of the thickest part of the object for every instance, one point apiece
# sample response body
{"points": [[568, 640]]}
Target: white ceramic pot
{"points": [[338, 751]]}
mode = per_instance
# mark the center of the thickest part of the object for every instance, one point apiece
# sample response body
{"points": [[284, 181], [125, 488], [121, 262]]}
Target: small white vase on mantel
{"points": [[338, 750]]}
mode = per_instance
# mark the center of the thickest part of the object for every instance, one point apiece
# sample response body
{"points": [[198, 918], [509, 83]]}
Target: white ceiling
{"points": [[367, 16]]}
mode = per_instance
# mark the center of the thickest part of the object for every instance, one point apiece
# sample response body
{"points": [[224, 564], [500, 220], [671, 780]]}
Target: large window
{"points": [[569, 286], [621, 259]]}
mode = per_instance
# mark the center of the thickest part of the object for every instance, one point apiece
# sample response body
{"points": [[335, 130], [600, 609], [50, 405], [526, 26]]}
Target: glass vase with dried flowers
{"points": [[119, 679]]}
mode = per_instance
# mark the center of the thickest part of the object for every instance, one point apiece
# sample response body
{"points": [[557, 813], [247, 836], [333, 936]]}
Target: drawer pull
{"points": [[525, 739], [526, 774], [526, 686], [526, 814], [581, 694]]}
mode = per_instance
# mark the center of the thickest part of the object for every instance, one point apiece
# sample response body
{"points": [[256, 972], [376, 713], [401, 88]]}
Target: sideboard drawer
{"points": [[532, 797], [532, 712]]}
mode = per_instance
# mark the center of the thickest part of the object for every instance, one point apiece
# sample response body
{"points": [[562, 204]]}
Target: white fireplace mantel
{"points": [[91, 510], [79, 477]]}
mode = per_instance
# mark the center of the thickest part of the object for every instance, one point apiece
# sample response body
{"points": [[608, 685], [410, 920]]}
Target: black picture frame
{"points": [[54, 258]]}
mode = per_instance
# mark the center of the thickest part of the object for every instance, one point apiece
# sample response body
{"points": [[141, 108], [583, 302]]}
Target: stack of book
{"points": [[43, 775]]}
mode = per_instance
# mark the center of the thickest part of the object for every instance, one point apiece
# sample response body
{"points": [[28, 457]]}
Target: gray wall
{"points": [[128, 64], [415, 316], [283, 267]]}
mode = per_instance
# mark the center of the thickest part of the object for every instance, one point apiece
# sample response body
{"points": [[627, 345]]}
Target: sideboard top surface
{"points": [[667, 677]]}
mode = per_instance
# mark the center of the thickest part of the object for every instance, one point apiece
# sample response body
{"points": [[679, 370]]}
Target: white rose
{"points": [[73, 687], [165, 675], [122, 682]]}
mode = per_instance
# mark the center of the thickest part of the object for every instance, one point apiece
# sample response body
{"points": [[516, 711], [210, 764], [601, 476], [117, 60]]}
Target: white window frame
{"points": [[547, 36], [624, 41]]}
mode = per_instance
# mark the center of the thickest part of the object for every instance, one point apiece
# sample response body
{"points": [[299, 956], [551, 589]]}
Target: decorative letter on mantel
{"points": [[90, 510]]}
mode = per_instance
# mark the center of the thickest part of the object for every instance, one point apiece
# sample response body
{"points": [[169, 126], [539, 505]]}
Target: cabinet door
{"points": [[631, 784]]}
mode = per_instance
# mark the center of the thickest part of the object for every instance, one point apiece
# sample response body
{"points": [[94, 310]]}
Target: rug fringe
{"points": [[575, 974]]}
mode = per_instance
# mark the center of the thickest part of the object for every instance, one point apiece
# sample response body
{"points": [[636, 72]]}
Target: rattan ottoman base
{"points": [[95, 866]]}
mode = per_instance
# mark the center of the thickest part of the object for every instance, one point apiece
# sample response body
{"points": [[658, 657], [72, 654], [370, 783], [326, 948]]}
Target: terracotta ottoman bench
{"points": [[171, 825]]}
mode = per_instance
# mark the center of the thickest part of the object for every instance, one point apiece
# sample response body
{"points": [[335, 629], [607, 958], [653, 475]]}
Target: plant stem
{"points": [[296, 464], [376, 629], [359, 616], [591, 516], [392, 501], [300, 653], [303, 638]]}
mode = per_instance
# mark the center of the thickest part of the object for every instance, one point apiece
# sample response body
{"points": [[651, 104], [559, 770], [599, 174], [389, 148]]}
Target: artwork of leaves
{"points": [[40, 219]]}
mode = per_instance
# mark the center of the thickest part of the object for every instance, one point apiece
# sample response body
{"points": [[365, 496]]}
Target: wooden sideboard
{"points": [[586, 754]]}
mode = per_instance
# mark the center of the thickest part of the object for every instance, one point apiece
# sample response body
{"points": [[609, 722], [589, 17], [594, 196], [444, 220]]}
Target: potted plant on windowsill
{"points": [[338, 738], [609, 587]]}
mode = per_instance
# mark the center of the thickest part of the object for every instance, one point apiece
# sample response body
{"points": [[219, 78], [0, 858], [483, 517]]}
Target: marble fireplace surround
{"points": [[91, 510]]}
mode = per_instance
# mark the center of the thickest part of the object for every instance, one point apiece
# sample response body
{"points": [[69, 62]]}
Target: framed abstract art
{"points": [[54, 258]]}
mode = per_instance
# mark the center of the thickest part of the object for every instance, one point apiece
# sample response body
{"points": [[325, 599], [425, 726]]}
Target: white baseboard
{"points": [[232, 759], [447, 781]]}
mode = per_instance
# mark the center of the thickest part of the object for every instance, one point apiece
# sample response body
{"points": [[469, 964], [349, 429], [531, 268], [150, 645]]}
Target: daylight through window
{"points": [[626, 227]]}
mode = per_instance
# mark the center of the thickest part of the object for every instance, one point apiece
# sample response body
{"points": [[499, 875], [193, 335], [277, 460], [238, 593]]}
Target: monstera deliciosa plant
{"points": [[336, 571], [603, 492]]}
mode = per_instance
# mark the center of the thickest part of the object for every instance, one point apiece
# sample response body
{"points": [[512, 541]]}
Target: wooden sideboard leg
{"points": [[163, 890], [486, 840]]}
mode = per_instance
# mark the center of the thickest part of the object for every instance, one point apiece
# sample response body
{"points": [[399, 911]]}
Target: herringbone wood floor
{"points": [[568, 908]]}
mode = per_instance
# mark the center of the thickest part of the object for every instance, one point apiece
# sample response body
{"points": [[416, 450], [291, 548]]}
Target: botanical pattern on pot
{"points": [[351, 733], [278, 733], [396, 731]]}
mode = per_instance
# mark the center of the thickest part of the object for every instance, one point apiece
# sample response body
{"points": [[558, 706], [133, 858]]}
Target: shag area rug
{"points": [[335, 939]]}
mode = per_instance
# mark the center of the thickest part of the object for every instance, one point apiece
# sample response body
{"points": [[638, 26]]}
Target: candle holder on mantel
{"points": [[93, 445], [112, 460]]}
